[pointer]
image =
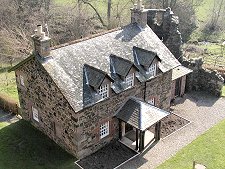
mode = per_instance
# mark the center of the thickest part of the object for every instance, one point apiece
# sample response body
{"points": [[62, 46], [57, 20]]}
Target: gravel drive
{"points": [[202, 109]]}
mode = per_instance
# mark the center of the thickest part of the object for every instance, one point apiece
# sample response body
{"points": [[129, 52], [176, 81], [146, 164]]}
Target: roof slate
{"points": [[180, 71], [120, 65], [94, 76], [140, 114], [65, 65], [145, 57]]}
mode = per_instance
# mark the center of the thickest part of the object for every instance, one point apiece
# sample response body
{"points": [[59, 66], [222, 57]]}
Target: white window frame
{"points": [[104, 130], [152, 70], [103, 91], [21, 80], [152, 101], [35, 114], [129, 80]]}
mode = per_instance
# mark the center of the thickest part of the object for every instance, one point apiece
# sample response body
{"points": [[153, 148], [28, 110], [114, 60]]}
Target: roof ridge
{"points": [[85, 38], [118, 57], [145, 50]]}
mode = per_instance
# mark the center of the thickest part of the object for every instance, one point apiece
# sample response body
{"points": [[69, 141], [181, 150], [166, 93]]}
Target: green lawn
{"points": [[207, 149], [8, 82], [223, 91], [24, 147]]}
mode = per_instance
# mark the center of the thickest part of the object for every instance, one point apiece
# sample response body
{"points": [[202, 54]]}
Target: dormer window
{"points": [[104, 91], [97, 85], [129, 80], [152, 70]]}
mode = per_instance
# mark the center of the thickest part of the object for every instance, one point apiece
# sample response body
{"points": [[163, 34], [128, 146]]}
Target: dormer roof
{"points": [[120, 65], [145, 57], [95, 76]]}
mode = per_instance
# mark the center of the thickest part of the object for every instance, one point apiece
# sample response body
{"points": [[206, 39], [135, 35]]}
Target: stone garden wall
{"points": [[203, 79]]}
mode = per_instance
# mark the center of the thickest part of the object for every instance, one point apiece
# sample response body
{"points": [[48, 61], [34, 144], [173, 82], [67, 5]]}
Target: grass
{"points": [[8, 82], [207, 149], [119, 7], [24, 147], [223, 91], [203, 14]]}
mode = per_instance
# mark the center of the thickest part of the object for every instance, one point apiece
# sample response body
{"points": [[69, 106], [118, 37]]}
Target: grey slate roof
{"points": [[94, 76], [66, 65], [120, 65], [140, 114], [179, 72], [145, 57]]}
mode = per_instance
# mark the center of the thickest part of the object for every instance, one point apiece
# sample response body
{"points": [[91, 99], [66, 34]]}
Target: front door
{"points": [[178, 87]]}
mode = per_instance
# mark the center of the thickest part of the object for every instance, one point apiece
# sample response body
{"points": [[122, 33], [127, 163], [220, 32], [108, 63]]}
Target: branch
{"points": [[99, 17]]}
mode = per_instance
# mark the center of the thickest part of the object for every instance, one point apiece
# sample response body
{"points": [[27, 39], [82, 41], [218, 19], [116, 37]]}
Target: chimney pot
{"points": [[39, 30], [42, 43], [139, 15], [139, 4]]}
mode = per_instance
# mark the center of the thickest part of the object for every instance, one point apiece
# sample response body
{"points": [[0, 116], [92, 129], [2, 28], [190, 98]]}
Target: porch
{"points": [[135, 118], [129, 139]]}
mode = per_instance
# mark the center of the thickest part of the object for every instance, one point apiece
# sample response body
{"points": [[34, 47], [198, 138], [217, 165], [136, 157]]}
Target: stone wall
{"points": [[54, 111], [203, 79], [166, 26], [90, 118], [78, 132]]}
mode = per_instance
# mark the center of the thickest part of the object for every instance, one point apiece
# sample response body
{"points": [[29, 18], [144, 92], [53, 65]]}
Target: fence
{"points": [[8, 104]]}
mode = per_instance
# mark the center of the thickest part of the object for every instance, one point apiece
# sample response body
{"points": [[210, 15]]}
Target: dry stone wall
{"points": [[203, 79]]}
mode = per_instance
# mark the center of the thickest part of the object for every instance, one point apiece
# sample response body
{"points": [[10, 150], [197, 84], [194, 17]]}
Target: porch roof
{"points": [[179, 72], [140, 114]]}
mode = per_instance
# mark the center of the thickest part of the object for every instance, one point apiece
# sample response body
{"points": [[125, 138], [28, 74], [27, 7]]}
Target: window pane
{"points": [[104, 91], [22, 80], [129, 80], [104, 130], [152, 70], [35, 114]]}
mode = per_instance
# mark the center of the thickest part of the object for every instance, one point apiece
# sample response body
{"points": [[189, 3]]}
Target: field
{"points": [[207, 149], [8, 82], [24, 147], [120, 9], [223, 91], [203, 14]]}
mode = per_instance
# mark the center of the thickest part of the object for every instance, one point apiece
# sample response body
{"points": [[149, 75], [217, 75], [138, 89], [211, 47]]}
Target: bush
{"points": [[8, 104]]}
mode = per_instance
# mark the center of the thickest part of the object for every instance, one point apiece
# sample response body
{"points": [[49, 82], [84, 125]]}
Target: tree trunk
{"points": [[109, 13], [99, 16]]}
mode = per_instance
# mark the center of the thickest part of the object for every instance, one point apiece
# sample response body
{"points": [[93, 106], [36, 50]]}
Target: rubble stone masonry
{"points": [[78, 132]]}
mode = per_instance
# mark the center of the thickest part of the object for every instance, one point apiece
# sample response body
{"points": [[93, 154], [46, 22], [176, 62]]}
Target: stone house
{"points": [[85, 93]]}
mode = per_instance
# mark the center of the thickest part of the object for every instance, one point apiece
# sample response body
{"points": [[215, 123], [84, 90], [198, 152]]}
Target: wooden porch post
{"points": [[136, 139], [120, 129], [141, 143], [157, 130]]}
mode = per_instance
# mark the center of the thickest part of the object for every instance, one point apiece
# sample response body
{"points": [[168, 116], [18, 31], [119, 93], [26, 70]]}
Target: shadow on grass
{"points": [[24, 147], [4, 69]]}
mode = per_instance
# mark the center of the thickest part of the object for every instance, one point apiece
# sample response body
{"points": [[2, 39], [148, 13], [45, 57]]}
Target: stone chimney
{"points": [[139, 14], [42, 43]]}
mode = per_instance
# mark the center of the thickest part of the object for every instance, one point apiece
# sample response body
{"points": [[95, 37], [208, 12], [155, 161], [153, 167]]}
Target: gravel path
{"points": [[8, 117], [203, 110]]}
